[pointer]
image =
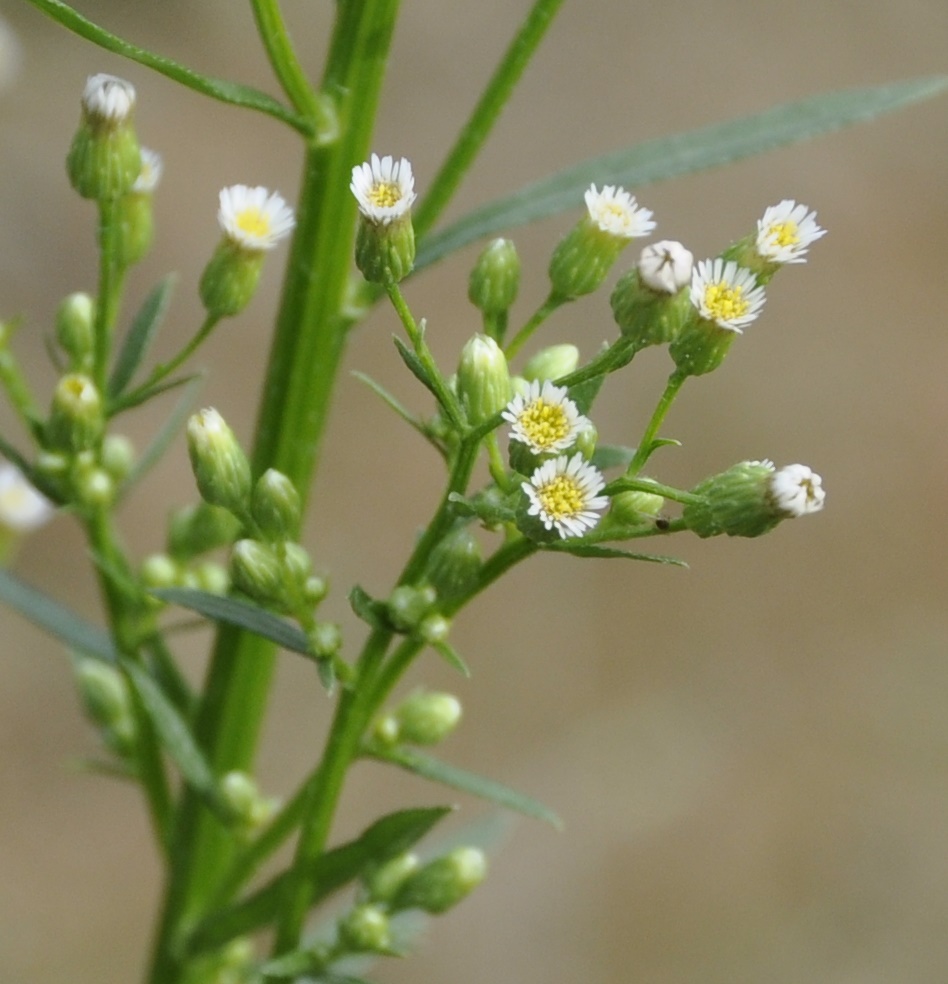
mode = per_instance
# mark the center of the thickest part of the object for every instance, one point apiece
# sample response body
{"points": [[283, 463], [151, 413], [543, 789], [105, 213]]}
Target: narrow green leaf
{"points": [[146, 392], [580, 549], [452, 657], [467, 782], [608, 456], [56, 619], [399, 408], [176, 737], [415, 366], [682, 153], [488, 508], [140, 334], [382, 841], [241, 614], [228, 92]]}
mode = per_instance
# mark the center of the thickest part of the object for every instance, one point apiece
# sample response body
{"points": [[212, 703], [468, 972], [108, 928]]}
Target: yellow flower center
{"points": [[561, 498], [725, 302], [784, 234], [254, 222], [544, 423], [385, 194]]}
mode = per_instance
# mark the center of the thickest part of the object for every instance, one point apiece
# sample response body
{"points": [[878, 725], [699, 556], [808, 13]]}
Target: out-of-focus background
{"points": [[751, 756]]}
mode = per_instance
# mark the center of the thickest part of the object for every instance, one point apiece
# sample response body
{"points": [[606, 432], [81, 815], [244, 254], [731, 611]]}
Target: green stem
{"points": [[646, 445], [539, 316]]}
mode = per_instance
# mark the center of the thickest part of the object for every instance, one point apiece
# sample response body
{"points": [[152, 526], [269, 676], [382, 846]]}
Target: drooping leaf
{"points": [[382, 841], [372, 611], [580, 549], [221, 89], [55, 618], [241, 614], [682, 153], [468, 782], [136, 343]]}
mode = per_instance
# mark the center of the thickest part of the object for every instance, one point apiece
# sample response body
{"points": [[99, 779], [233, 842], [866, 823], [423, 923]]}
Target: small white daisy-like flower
{"points": [[797, 490], [666, 266], [150, 174], [614, 211], [254, 218], [726, 294], [563, 494], [544, 418], [22, 508], [108, 98], [785, 232], [384, 188]]}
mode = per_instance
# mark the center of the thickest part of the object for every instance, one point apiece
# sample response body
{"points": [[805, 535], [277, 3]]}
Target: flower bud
{"points": [[241, 796], [442, 883], [106, 699], [586, 254], [385, 882], [76, 418], [212, 578], [117, 456], [427, 718], [434, 628], [633, 508], [220, 466], [408, 605], [196, 529], [325, 640], [495, 279], [75, 330], [159, 571], [365, 929], [256, 570], [104, 159], [135, 222], [483, 379], [275, 506], [385, 240], [454, 564], [551, 363], [93, 487]]}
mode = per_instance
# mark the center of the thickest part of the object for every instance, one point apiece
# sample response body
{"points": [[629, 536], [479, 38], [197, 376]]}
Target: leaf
{"points": [[221, 89], [682, 153], [382, 841], [140, 334], [467, 782], [416, 366], [56, 619], [489, 508], [452, 657], [241, 614], [380, 391], [612, 456], [373, 612], [580, 549], [176, 738]]}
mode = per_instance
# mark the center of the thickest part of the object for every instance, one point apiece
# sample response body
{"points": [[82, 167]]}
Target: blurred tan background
{"points": [[751, 756]]}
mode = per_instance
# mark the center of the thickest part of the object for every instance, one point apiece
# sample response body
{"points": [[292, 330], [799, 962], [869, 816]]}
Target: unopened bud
{"points": [[455, 564], [483, 380], [442, 883], [385, 882], [75, 330], [256, 570], [365, 929], [220, 466], [427, 718], [195, 529], [551, 363], [408, 605], [495, 279], [76, 418], [275, 506]]}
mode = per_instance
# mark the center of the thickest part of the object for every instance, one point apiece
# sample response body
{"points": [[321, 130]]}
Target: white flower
{"points": [[384, 188], [563, 494], [544, 418], [797, 490], [254, 218], [785, 232], [666, 266], [108, 98], [614, 210], [726, 294], [150, 174], [22, 508]]}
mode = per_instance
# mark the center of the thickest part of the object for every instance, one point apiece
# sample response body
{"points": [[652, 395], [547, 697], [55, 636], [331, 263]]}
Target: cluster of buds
{"points": [[249, 808]]}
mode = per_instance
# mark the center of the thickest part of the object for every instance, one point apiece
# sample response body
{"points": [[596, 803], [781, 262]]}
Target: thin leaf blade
{"points": [[140, 334]]}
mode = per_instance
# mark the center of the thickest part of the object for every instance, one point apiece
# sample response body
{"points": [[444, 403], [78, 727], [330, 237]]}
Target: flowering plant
{"points": [[525, 473]]}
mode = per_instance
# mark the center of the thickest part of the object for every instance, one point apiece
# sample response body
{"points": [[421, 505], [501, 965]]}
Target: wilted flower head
{"points": [[108, 98], [614, 211], [384, 188], [254, 218], [785, 232], [797, 490], [666, 267], [726, 294]]}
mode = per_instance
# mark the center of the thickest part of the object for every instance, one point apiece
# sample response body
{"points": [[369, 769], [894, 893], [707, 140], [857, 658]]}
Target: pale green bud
{"points": [[385, 882], [239, 792], [159, 571], [495, 279], [454, 564], [105, 160], [93, 487], [551, 363], [195, 529], [76, 418], [256, 570], [434, 628], [325, 639], [633, 508], [275, 506], [586, 439], [427, 718], [408, 605], [220, 466], [106, 699], [75, 330], [134, 220], [365, 929], [442, 883], [483, 380], [315, 589], [117, 456], [212, 578]]}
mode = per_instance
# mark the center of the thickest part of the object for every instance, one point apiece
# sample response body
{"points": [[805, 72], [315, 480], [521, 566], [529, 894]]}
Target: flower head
{"points": [[785, 232], [544, 418], [253, 218], [22, 508], [666, 267], [563, 494], [797, 490], [384, 188], [108, 99], [150, 174], [614, 211], [726, 294]]}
